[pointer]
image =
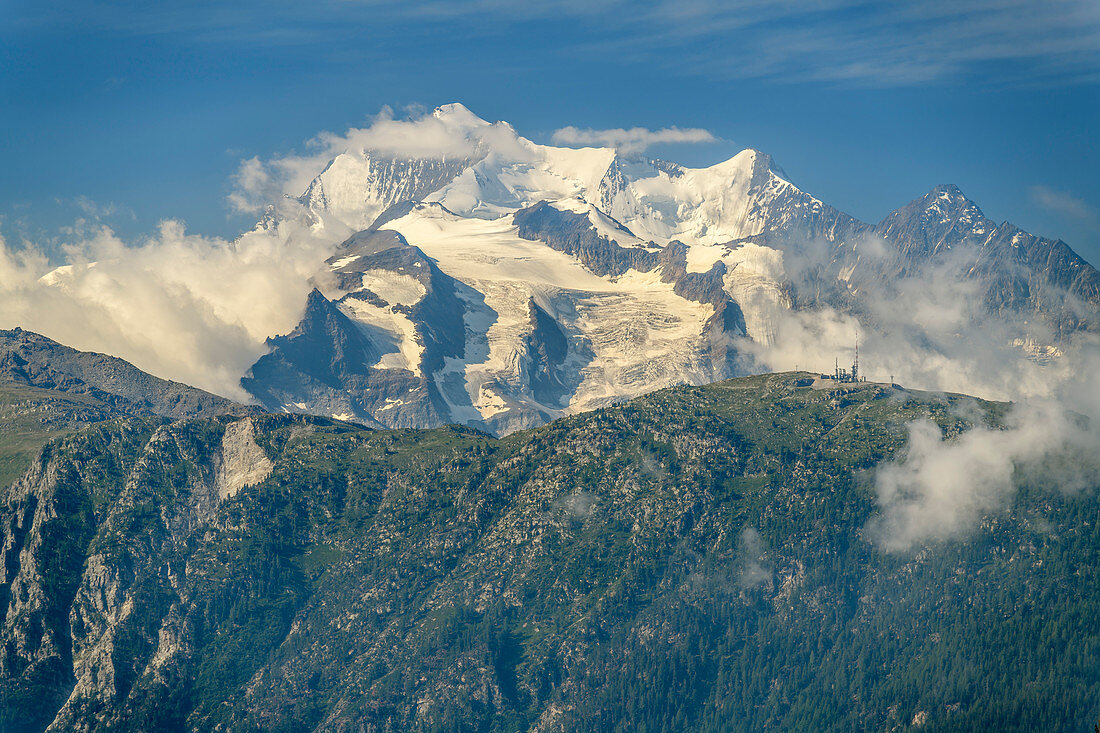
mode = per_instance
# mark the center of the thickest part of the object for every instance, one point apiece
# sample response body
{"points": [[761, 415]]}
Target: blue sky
{"points": [[133, 112]]}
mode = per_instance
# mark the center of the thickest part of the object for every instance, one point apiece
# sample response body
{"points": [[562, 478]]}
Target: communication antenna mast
{"points": [[855, 363]]}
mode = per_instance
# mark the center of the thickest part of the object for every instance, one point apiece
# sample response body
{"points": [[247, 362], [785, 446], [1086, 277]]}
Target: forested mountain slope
{"points": [[695, 559]]}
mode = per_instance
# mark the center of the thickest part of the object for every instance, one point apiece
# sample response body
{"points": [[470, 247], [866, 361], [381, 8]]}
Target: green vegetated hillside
{"points": [[30, 417], [691, 560]]}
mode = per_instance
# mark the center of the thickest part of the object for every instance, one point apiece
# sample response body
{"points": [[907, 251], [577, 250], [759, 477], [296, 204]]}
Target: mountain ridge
{"points": [[48, 390]]}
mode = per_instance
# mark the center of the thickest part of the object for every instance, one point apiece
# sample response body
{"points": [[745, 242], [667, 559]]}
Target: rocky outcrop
{"points": [[331, 363], [94, 594], [240, 462], [548, 350], [324, 360], [573, 234], [51, 517]]}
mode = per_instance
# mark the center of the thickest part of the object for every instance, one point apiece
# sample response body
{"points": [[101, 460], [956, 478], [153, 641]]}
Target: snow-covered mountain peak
{"points": [[719, 203], [947, 190], [496, 172], [942, 218], [473, 167], [476, 276], [947, 194], [742, 163], [944, 203], [458, 115], [752, 164]]}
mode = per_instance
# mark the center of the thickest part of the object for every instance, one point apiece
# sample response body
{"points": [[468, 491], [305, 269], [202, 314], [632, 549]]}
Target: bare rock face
{"points": [[240, 462], [1018, 272], [52, 514]]}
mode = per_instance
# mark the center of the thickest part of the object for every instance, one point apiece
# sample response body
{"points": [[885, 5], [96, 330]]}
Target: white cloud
{"points": [[178, 305], [932, 331], [881, 43], [941, 489], [851, 42], [752, 551], [252, 187], [100, 211], [635, 139]]}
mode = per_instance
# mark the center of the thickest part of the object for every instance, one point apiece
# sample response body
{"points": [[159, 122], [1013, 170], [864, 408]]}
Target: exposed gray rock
{"points": [[325, 363], [328, 364], [239, 462], [573, 234], [548, 351]]}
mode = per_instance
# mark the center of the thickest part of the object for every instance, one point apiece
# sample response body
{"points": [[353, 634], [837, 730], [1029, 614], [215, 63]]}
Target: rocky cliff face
{"points": [[96, 547], [689, 560], [51, 516]]}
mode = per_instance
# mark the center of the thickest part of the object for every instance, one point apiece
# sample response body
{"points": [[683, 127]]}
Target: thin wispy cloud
{"points": [[850, 42], [634, 140], [1065, 204], [99, 211], [883, 43]]}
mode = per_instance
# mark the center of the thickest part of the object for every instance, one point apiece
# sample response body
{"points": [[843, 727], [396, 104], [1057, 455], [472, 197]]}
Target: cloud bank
{"points": [[932, 331], [929, 330], [178, 305], [941, 489]]}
